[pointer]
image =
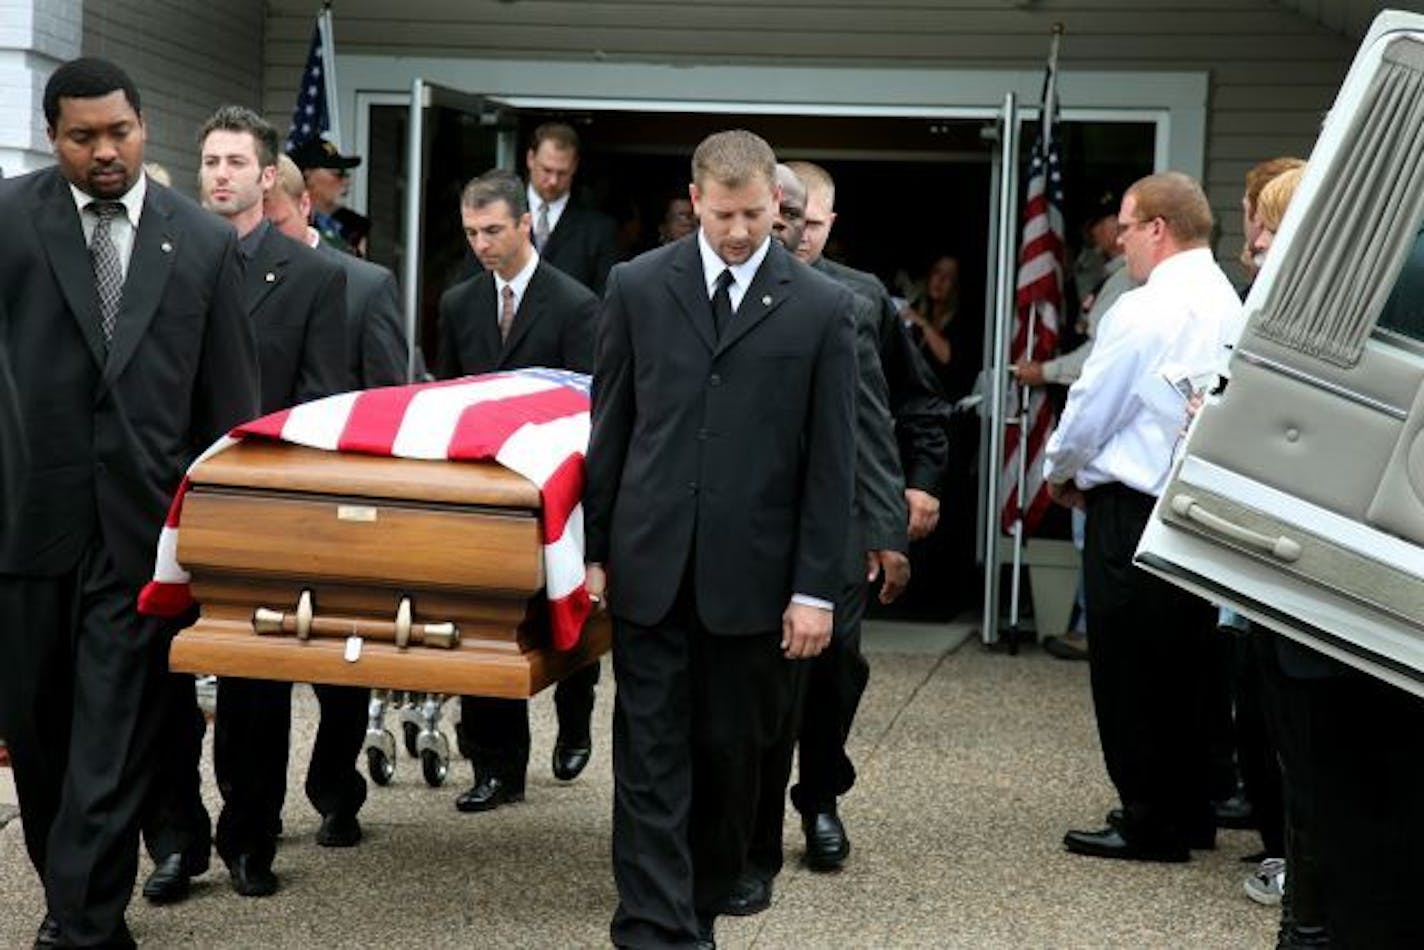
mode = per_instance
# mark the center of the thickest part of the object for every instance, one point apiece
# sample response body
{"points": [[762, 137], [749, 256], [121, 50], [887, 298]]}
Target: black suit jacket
{"points": [[110, 433], [296, 300], [738, 453], [13, 453], [553, 326], [584, 245], [376, 350], [917, 402]]}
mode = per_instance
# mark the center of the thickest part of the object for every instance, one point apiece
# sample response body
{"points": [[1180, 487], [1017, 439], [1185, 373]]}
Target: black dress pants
{"points": [[700, 722], [80, 675], [251, 743], [835, 682], [1148, 651], [1354, 764], [494, 733]]}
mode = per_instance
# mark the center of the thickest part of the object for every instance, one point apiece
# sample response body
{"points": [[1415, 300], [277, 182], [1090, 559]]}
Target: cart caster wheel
{"points": [[381, 768], [435, 767], [412, 733]]}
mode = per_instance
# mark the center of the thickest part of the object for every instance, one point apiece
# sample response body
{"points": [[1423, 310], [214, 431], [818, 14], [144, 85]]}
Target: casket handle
{"points": [[402, 631]]}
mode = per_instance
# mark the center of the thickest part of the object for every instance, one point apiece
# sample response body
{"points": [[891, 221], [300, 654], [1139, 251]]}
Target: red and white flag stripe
{"points": [[533, 421]]}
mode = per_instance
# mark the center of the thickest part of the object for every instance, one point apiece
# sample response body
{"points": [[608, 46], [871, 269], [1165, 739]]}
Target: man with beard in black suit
{"points": [[296, 302]]}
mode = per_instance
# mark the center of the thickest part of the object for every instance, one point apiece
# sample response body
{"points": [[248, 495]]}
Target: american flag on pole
{"points": [[532, 421], [315, 114], [1038, 302]]}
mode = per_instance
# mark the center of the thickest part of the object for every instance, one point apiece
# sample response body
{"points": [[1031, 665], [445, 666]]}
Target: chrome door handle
{"points": [[1280, 547]]}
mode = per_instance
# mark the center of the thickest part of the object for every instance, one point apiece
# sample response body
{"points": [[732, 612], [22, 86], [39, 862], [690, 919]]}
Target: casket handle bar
{"points": [[403, 632]]}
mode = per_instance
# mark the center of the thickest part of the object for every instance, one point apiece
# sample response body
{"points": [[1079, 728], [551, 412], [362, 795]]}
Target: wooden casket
{"points": [[327, 567]]}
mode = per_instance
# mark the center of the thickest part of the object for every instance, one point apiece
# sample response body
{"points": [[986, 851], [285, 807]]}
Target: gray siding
{"points": [[1273, 71], [186, 59]]}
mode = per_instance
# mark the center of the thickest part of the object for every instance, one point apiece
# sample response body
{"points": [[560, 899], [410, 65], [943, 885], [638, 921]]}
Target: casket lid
{"points": [[279, 466]]}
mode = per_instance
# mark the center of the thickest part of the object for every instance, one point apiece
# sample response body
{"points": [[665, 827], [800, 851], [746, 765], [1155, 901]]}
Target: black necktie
{"points": [[722, 302]]}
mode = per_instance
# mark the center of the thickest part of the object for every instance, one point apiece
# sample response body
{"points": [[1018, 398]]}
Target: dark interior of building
{"points": [[908, 191]]}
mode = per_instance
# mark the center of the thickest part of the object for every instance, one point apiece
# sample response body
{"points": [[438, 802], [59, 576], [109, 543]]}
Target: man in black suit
{"points": [[581, 242], [921, 419], [876, 546], [720, 479], [519, 312], [376, 350], [130, 354], [296, 303]]}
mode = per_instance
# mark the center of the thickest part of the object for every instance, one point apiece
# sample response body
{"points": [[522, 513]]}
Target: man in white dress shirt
{"points": [[1111, 454]]}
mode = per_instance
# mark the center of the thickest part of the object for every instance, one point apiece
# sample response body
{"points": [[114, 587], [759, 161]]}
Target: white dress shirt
{"points": [[123, 227], [1123, 416], [519, 283], [742, 274], [556, 208]]}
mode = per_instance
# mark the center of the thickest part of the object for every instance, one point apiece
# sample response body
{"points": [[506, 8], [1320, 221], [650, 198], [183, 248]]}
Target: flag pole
{"points": [[328, 74], [1047, 117]]}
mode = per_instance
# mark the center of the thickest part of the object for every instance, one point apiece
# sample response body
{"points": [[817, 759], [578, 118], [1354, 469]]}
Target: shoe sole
{"points": [[1155, 857]]}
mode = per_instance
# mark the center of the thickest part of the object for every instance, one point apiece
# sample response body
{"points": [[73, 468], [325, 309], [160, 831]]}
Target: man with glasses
{"points": [[1147, 640], [327, 173]]}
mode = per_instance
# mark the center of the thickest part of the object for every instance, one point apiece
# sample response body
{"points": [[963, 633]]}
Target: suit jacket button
{"points": [[692, 487], [703, 435], [714, 380]]}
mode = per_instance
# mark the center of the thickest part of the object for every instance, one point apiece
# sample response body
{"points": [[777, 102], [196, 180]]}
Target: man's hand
{"points": [[897, 573], [805, 631], [1029, 373], [595, 581], [924, 513], [1067, 494]]}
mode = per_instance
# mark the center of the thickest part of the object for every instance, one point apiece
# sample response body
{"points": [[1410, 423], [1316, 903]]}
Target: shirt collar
{"points": [[252, 240], [556, 207], [712, 265], [520, 282], [1183, 262], [132, 200]]}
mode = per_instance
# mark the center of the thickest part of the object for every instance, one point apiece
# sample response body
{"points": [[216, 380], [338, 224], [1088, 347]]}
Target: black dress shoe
{"points": [[706, 938], [1110, 843], [339, 831], [169, 882], [750, 895], [1201, 838], [252, 877], [489, 793], [570, 759], [827, 845], [1233, 812], [48, 934]]}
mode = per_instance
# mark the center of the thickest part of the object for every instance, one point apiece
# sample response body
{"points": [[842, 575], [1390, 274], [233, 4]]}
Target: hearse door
{"points": [[1299, 496]]}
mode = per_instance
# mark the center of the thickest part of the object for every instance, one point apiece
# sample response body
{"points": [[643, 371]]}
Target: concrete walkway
{"points": [[971, 767]]}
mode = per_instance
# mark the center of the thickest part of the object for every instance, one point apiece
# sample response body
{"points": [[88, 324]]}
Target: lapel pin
{"points": [[271, 277], [766, 301], [166, 247]]}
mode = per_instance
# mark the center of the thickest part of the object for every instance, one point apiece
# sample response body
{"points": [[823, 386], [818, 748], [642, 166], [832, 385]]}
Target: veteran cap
{"points": [[319, 153]]}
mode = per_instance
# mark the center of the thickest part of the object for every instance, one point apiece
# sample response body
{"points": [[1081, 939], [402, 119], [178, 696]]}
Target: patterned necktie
{"points": [[722, 302], [541, 227], [108, 271], [506, 312]]}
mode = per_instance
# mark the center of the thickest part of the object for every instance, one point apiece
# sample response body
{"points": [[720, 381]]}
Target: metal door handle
{"points": [[1279, 547]]}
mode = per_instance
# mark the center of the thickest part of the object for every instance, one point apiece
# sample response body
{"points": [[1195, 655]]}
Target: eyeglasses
{"points": [[1124, 226]]}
